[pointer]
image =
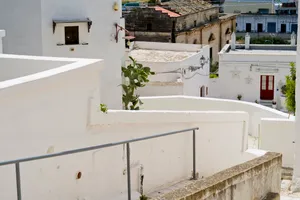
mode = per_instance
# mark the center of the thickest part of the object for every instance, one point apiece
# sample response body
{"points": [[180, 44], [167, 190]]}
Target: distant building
{"points": [[267, 23], [256, 72], [175, 21], [181, 69]]}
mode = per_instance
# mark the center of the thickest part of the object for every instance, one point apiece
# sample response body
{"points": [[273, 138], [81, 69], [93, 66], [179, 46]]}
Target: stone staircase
{"points": [[286, 173]]}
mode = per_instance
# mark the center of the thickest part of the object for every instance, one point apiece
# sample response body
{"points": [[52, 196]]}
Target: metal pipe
{"points": [[194, 155], [128, 171], [18, 181], [93, 147]]}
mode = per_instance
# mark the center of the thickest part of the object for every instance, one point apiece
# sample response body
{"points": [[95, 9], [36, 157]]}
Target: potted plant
{"points": [[256, 101], [239, 96], [273, 104]]}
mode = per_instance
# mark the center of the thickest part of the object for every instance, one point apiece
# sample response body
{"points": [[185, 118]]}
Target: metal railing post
{"points": [[128, 171], [18, 181], [194, 155]]}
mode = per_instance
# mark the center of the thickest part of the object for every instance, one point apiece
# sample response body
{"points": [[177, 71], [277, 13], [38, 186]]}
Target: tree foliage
{"points": [[290, 89], [136, 76]]}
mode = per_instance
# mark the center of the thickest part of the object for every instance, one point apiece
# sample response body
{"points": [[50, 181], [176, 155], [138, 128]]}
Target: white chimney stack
{"points": [[293, 39], [247, 41], [233, 40]]}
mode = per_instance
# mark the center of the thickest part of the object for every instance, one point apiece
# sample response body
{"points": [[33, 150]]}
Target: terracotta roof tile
{"points": [[163, 10]]}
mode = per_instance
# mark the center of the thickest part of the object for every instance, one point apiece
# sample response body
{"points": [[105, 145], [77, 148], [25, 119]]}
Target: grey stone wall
{"points": [[257, 179]]}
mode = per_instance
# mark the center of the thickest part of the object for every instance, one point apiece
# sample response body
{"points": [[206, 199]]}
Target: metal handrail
{"points": [[127, 142]]}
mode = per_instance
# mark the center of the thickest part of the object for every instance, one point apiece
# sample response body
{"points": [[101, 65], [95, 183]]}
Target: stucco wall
{"points": [[279, 135], [30, 32], [2, 35], [12, 66], [54, 115], [23, 26], [256, 111]]}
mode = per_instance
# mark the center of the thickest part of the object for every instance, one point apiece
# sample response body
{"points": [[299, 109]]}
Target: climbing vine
{"points": [[136, 76]]}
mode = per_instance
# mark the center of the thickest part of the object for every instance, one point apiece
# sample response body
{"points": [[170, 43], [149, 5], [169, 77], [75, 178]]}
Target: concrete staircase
{"points": [[267, 103]]}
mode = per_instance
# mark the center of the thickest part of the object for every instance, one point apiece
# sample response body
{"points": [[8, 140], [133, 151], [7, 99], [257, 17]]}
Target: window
{"points": [[149, 27], [71, 35], [294, 28], [283, 28], [195, 41], [210, 53], [270, 84], [227, 42], [195, 23], [264, 83], [248, 27], [272, 27], [259, 27]]}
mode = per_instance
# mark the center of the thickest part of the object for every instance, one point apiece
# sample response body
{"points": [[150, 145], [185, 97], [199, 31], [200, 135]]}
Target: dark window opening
{"points": [[259, 28], [71, 35], [248, 27], [195, 41], [149, 27], [283, 28], [227, 42], [272, 27], [294, 28], [173, 37], [210, 53], [195, 23]]}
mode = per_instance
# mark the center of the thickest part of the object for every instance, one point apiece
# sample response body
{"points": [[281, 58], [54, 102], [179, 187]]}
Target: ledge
{"points": [[204, 188]]}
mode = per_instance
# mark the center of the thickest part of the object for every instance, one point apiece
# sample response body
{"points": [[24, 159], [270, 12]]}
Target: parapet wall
{"points": [[252, 180]]}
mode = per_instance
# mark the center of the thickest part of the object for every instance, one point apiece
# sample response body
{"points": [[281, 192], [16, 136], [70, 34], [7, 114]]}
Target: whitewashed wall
{"points": [[53, 115], [278, 135], [2, 35], [12, 66], [255, 111], [250, 90], [214, 88], [253, 19], [30, 32]]}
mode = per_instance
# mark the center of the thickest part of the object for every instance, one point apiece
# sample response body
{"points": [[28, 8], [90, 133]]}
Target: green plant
{"points": [[290, 89], [239, 96], [136, 75], [268, 40], [256, 101], [213, 76], [214, 66], [143, 197], [103, 108]]}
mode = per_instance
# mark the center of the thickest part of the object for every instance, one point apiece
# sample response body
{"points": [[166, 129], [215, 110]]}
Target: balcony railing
{"points": [[102, 146]]}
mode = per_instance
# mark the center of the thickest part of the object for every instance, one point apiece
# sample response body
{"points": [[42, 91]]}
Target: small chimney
{"points": [[233, 40], [247, 41], [293, 39]]}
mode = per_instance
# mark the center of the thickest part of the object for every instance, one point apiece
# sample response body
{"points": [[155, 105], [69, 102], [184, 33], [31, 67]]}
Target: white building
{"points": [[70, 28], [256, 72], [264, 24], [178, 67]]}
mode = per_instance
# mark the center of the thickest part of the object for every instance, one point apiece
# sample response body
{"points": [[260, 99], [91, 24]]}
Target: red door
{"points": [[266, 87]]}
